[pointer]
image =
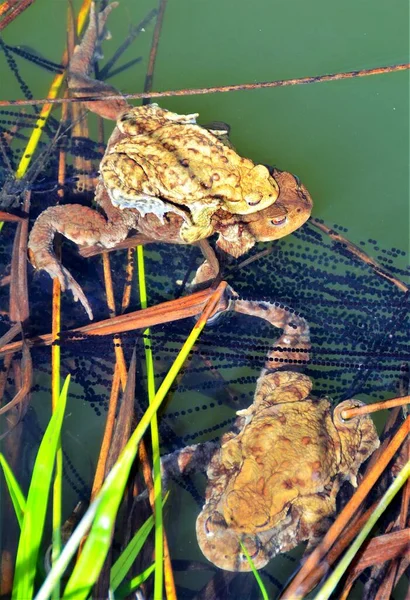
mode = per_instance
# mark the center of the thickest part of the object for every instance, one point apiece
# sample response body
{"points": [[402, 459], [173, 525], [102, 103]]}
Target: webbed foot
{"points": [[45, 260], [78, 294], [67, 282]]}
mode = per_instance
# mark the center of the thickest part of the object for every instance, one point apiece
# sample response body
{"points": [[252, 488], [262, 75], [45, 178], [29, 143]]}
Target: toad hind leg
{"points": [[316, 512], [79, 82], [81, 225], [292, 347]]}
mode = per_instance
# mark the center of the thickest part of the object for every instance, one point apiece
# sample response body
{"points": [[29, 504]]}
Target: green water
{"points": [[348, 141]]}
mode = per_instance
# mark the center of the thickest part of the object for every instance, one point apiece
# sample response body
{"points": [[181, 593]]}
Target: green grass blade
{"points": [[255, 573], [36, 506], [103, 507], [68, 552], [124, 562], [16, 495], [330, 584], [57, 510], [156, 460], [130, 586], [95, 549]]}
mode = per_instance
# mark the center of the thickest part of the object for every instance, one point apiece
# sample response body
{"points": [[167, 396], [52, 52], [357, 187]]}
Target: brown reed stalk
{"points": [[172, 310], [219, 89], [12, 9], [350, 413]]}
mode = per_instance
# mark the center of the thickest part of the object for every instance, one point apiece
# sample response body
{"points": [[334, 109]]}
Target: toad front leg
{"points": [[85, 227]]}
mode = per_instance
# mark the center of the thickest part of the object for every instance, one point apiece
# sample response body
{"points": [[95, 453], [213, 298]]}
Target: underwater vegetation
{"points": [[153, 360]]}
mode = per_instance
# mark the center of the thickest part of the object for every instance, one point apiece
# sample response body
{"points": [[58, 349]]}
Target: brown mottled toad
{"points": [[273, 480], [166, 163], [165, 176]]}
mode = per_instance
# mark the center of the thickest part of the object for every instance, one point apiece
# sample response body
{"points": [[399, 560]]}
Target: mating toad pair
{"points": [[168, 178], [273, 480]]}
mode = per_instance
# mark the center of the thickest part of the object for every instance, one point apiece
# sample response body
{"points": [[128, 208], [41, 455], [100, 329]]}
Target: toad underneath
{"points": [[166, 176], [273, 480]]}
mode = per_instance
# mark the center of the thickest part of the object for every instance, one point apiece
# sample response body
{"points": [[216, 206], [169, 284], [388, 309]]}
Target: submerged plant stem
{"points": [[156, 461], [55, 394], [56, 381], [255, 573]]}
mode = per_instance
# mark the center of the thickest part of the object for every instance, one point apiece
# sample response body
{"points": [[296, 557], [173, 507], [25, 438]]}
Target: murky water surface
{"points": [[348, 141]]}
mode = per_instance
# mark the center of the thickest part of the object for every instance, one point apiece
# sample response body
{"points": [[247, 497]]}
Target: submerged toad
{"points": [[165, 176], [273, 480]]}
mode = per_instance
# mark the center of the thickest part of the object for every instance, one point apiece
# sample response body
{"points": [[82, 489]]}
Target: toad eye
{"points": [[214, 523], [252, 545], [208, 527], [278, 221]]}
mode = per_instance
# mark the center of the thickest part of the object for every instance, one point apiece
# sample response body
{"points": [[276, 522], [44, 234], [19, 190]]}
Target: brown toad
{"points": [[166, 163], [168, 178], [273, 481]]}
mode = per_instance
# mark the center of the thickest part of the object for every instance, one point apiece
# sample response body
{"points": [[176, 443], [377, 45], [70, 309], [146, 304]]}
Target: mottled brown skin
{"points": [[166, 159], [273, 481], [239, 233], [168, 178]]}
